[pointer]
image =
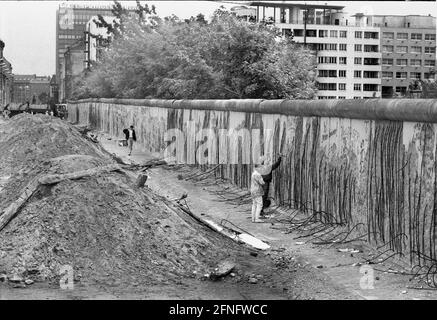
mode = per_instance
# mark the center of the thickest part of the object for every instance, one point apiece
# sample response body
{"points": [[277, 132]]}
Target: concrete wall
{"points": [[368, 164]]}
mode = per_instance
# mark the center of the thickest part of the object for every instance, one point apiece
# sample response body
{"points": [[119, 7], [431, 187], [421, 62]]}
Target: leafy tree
{"points": [[194, 59]]}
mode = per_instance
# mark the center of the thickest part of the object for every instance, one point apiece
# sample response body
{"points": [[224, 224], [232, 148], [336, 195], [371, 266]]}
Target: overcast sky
{"points": [[28, 27]]}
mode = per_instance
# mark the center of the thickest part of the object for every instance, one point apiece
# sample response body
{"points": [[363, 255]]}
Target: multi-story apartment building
{"points": [[358, 56], [6, 78], [348, 51], [71, 21], [408, 51]]}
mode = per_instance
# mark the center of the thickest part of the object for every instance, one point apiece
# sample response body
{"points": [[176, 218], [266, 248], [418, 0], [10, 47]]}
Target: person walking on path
{"points": [[130, 137], [256, 193]]}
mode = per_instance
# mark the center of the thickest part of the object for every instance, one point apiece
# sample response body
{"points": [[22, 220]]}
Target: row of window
{"points": [[367, 35], [367, 48], [404, 75], [69, 36], [343, 47], [334, 97], [404, 62], [404, 36], [404, 49], [342, 86], [332, 60], [342, 74]]}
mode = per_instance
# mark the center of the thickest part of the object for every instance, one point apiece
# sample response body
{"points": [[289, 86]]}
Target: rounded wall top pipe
{"points": [[414, 110]]}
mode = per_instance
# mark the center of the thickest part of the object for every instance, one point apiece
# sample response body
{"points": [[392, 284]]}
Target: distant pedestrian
{"points": [[130, 137], [51, 113], [256, 193]]}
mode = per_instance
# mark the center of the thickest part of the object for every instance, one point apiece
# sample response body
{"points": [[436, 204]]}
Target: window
{"points": [[402, 36], [327, 73], [415, 75], [416, 36], [371, 62], [415, 49], [342, 73], [357, 86], [311, 33], [430, 36], [342, 60], [326, 46], [370, 74], [297, 32], [387, 48], [326, 97], [343, 34], [340, 97], [371, 35], [342, 47], [323, 33], [357, 74], [370, 87], [401, 62], [429, 63], [401, 49], [327, 59], [387, 75], [333, 34], [357, 60], [358, 47], [415, 62], [388, 35], [429, 49], [370, 48], [342, 86], [327, 86], [401, 75], [358, 34], [428, 76], [356, 98], [387, 62], [401, 89]]}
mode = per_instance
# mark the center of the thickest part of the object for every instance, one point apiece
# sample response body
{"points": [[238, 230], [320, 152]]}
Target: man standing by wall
{"points": [[130, 137]]}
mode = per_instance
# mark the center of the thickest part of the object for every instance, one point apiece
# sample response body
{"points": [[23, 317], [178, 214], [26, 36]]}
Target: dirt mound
{"points": [[102, 226]]}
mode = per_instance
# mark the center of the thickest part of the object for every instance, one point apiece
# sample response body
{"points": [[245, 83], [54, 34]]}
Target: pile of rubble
{"points": [[95, 221]]}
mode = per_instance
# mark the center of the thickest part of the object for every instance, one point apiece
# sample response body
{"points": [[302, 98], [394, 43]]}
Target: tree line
{"points": [[170, 58]]}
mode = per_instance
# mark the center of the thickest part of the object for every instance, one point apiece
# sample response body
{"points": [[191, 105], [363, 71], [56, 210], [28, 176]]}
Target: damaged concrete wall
{"points": [[368, 164]]}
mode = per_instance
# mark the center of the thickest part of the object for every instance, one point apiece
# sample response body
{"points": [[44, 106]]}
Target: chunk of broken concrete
{"points": [[28, 281], [223, 269], [253, 280], [15, 278]]}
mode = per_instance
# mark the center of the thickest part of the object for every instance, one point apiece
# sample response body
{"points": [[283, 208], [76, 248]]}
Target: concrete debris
{"points": [[28, 281], [222, 270], [253, 280], [350, 250], [300, 242]]}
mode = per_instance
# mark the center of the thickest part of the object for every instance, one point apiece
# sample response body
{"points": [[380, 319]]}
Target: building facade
{"points": [[97, 40], [6, 78], [408, 52], [71, 21], [354, 54], [73, 64], [31, 88], [348, 50]]}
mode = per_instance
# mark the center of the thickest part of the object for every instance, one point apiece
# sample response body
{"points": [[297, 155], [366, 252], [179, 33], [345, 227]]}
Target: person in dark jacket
{"points": [[130, 137], [267, 175]]}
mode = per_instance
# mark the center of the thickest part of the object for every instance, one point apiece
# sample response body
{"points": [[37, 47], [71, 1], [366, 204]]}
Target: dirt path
{"points": [[330, 274]]}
